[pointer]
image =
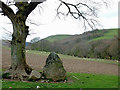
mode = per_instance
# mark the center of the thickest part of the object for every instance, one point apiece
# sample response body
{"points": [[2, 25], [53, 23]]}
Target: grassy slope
{"points": [[56, 37], [76, 80], [109, 35]]}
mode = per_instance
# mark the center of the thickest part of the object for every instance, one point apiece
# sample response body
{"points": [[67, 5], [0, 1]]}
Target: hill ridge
{"points": [[93, 44]]}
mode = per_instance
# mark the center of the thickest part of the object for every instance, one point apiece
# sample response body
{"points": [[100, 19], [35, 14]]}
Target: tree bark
{"points": [[19, 67]]}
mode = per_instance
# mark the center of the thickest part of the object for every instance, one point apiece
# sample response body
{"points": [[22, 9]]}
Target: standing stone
{"points": [[54, 68]]}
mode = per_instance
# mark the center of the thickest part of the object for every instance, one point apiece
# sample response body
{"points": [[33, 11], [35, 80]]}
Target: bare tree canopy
{"points": [[84, 10]]}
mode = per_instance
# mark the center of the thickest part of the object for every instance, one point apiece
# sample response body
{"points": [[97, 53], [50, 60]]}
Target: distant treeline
{"points": [[84, 45]]}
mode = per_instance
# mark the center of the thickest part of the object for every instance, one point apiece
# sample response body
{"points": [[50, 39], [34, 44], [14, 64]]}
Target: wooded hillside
{"points": [[93, 44]]}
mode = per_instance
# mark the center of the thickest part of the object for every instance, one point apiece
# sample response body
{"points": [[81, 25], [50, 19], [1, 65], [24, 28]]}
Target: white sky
{"points": [[48, 25]]}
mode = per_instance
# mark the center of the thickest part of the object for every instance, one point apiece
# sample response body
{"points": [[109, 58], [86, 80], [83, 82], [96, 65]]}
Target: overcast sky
{"points": [[48, 25]]}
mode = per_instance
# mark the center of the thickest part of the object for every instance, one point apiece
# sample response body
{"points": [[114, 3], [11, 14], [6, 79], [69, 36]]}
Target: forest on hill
{"points": [[92, 44]]}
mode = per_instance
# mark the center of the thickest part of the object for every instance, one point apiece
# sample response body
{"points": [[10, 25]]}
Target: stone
{"points": [[34, 75], [6, 75], [42, 81], [54, 68]]}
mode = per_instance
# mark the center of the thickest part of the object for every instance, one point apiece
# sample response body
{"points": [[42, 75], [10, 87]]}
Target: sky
{"points": [[48, 24]]}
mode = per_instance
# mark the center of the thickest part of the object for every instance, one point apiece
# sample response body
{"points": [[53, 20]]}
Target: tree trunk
{"points": [[19, 68]]}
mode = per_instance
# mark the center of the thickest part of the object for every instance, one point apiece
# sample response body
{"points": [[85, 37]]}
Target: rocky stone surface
{"points": [[54, 68], [34, 75]]}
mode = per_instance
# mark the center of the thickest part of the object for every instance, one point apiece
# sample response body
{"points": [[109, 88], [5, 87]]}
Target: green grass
{"points": [[0, 84], [108, 35], [75, 80], [57, 37], [42, 53]]}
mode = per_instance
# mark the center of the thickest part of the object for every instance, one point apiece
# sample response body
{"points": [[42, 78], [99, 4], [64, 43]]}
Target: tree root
{"points": [[19, 74]]}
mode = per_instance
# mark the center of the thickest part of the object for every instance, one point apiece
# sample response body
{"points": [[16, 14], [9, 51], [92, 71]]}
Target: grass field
{"points": [[108, 35], [57, 37], [72, 57], [75, 80], [43, 53]]}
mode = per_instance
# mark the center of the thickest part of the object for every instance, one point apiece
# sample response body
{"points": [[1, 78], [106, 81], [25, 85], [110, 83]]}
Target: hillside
{"points": [[90, 35], [92, 44], [93, 35], [54, 38], [111, 33]]}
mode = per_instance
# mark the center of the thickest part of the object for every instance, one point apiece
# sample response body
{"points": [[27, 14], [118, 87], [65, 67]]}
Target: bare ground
{"points": [[78, 66]]}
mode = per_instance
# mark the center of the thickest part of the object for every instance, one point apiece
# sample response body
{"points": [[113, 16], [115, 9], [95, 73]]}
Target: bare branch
{"points": [[7, 33], [40, 8], [20, 5], [7, 30], [77, 13], [31, 22], [28, 8], [105, 3], [6, 10]]}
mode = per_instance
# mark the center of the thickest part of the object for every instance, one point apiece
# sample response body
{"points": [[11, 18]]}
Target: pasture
{"points": [[81, 73]]}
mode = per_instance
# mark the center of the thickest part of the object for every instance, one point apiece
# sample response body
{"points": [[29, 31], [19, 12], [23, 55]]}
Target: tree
{"points": [[100, 50], [36, 39], [113, 49], [19, 67], [82, 49]]}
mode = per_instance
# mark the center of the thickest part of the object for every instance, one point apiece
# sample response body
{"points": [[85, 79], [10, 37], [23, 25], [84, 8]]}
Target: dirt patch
{"points": [[78, 66]]}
